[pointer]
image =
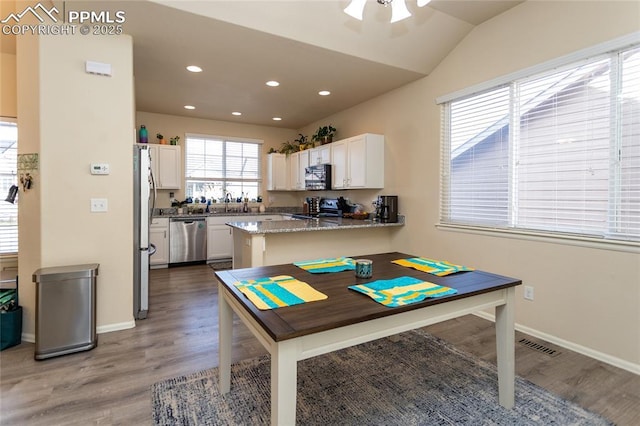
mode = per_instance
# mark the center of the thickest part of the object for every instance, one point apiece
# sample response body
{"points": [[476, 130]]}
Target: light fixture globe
{"points": [[399, 9], [356, 8]]}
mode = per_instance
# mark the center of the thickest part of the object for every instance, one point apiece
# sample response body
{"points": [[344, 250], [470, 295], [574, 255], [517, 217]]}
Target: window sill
{"points": [[582, 241]]}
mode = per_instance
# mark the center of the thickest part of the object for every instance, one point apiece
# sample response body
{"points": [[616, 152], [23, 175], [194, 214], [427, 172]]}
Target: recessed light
{"points": [[236, 113], [194, 68], [272, 83], [277, 119], [189, 107], [324, 93]]}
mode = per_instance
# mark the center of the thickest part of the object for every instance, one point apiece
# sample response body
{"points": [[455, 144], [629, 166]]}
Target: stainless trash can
{"points": [[65, 309]]}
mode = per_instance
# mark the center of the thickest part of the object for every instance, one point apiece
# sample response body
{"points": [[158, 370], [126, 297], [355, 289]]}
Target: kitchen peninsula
{"points": [[285, 241]]}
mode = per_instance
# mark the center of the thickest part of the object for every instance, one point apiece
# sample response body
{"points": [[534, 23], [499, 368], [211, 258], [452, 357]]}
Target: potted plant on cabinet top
{"points": [[174, 140], [303, 142], [288, 147], [324, 134], [161, 139]]}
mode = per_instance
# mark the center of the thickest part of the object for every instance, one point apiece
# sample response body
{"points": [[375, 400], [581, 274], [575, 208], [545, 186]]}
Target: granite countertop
{"points": [[306, 225], [171, 214]]}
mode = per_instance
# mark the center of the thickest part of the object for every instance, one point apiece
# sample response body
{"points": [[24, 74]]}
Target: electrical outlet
{"points": [[99, 205], [528, 292]]}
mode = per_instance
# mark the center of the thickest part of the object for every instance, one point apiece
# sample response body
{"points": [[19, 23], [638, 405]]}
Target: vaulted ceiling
{"points": [[306, 45]]}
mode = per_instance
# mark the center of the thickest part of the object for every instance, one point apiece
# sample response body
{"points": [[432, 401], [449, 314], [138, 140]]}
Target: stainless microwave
{"points": [[317, 177]]}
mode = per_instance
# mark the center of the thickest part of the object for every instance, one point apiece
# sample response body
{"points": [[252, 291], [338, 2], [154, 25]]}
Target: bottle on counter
{"points": [[143, 136]]}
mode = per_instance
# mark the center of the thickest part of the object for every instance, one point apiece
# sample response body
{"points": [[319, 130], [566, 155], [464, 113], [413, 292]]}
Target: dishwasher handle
{"points": [[188, 220]]}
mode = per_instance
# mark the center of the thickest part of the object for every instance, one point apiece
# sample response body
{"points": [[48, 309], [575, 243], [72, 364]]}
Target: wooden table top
{"points": [[343, 306]]}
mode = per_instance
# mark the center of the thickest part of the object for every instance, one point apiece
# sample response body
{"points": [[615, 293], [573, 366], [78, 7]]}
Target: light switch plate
{"points": [[99, 68], [99, 205], [100, 168]]}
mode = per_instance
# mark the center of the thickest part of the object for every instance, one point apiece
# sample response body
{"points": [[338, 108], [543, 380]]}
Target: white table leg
{"points": [[284, 371], [505, 341], [225, 324]]}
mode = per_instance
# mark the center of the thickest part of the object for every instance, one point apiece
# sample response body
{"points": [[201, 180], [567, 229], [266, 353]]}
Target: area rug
{"points": [[417, 379]]}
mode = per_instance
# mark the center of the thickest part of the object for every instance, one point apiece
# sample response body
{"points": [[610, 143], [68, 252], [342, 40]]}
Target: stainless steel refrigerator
{"points": [[144, 196]]}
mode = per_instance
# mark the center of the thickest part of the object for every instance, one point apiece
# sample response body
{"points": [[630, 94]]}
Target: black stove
{"points": [[321, 207]]}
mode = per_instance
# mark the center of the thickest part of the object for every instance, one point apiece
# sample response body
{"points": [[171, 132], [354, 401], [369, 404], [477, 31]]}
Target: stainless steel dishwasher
{"points": [[187, 239]]}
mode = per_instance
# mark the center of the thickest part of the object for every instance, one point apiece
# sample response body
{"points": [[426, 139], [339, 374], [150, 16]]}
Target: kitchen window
{"points": [[8, 178], [555, 152], [218, 167]]}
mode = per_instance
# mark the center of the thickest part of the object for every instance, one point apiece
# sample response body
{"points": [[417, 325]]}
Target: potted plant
{"points": [[303, 142], [161, 139], [289, 147], [174, 140], [324, 134]]}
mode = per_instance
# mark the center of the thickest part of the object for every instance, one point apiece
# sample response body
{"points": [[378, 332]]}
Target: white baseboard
{"points": [[600, 356], [31, 338], [115, 327], [28, 337]]}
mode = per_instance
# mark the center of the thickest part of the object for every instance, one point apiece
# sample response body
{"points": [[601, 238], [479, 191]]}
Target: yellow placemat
{"points": [[435, 267], [402, 291], [276, 292], [332, 264]]}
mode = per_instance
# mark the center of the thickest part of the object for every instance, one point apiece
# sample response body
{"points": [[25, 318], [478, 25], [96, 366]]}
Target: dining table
{"points": [[347, 318]]}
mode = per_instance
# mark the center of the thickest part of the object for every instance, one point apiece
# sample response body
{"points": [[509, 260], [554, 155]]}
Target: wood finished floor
{"points": [[110, 384]]}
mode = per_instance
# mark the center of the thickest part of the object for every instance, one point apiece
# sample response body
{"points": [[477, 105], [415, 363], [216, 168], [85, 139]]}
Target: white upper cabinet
{"points": [[320, 155], [165, 165], [298, 161], [358, 162], [277, 172]]}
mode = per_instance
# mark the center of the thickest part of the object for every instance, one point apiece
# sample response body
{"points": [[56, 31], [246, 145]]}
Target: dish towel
{"points": [[335, 264], [435, 267], [402, 291], [276, 292]]}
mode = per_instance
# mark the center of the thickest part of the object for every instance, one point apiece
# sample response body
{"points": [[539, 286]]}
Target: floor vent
{"points": [[538, 347]]}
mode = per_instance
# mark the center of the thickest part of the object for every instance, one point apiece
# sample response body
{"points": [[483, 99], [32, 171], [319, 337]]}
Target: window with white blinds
{"points": [[216, 166], [557, 152], [8, 177]]}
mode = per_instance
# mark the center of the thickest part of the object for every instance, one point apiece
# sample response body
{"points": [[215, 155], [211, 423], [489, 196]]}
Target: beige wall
{"points": [[585, 298], [8, 101], [171, 125], [71, 119]]}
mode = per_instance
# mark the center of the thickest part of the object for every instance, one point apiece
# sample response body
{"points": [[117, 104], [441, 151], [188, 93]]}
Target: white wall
{"points": [[71, 119], [585, 298]]}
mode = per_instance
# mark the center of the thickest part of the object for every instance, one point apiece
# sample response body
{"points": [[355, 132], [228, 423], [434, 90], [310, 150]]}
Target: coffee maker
{"points": [[387, 208]]}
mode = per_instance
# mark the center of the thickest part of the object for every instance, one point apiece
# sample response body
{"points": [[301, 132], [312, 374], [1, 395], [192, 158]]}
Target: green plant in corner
{"points": [[324, 134], [174, 140]]}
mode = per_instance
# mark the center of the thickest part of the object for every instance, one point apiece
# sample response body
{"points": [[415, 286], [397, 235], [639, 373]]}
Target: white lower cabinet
{"points": [[219, 238], [159, 237]]}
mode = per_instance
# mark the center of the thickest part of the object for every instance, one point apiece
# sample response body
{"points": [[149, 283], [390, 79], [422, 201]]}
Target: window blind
{"points": [[558, 151], [8, 177], [216, 166]]}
